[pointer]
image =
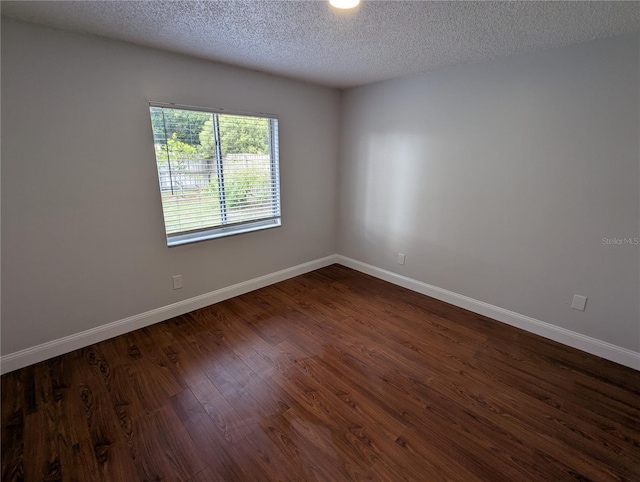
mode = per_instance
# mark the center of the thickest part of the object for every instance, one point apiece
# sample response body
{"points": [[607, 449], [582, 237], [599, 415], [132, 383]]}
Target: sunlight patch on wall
{"points": [[395, 172]]}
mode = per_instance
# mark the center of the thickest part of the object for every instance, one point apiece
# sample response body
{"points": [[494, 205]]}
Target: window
{"points": [[218, 171]]}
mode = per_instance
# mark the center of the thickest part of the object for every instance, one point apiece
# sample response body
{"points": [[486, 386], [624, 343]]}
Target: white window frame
{"points": [[228, 229]]}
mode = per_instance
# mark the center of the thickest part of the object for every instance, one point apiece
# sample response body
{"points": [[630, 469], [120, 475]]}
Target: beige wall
{"points": [[83, 240], [500, 179]]}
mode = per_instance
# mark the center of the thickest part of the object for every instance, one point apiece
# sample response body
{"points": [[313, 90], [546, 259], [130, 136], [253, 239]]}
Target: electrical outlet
{"points": [[579, 302], [401, 258], [177, 281]]}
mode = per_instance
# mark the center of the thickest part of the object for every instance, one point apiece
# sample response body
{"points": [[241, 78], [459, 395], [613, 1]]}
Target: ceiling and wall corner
{"points": [[309, 40]]}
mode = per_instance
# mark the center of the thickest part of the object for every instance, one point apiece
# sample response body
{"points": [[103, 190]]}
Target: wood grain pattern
{"points": [[333, 375]]}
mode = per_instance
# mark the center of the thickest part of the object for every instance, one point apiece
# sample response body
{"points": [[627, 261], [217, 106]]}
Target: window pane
{"points": [[215, 170]]}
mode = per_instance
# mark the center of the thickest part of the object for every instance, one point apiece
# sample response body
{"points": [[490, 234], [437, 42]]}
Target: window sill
{"points": [[221, 232]]}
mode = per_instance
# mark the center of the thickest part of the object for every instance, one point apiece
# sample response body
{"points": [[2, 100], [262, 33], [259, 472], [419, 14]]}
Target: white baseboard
{"points": [[585, 343], [47, 350]]}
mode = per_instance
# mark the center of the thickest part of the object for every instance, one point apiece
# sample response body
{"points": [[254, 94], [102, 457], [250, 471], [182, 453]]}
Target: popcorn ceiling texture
{"points": [[309, 40]]}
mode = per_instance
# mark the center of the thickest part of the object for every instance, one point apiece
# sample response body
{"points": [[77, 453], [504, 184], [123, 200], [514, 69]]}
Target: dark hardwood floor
{"points": [[332, 375]]}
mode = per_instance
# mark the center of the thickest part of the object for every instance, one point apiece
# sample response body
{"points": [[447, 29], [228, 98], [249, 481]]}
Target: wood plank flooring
{"points": [[329, 376]]}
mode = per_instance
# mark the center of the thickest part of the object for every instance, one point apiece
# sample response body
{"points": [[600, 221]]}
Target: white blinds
{"points": [[218, 171]]}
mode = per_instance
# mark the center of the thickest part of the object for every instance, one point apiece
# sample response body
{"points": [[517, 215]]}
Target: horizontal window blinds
{"points": [[216, 170]]}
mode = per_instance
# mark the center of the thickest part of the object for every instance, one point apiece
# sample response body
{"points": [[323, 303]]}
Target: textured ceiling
{"points": [[310, 40]]}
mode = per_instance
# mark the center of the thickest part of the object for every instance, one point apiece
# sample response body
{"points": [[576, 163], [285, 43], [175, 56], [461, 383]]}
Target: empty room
{"points": [[320, 241]]}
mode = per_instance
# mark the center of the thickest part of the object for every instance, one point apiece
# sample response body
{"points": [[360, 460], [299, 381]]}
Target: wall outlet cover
{"points": [[177, 281], [579, 302]]}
